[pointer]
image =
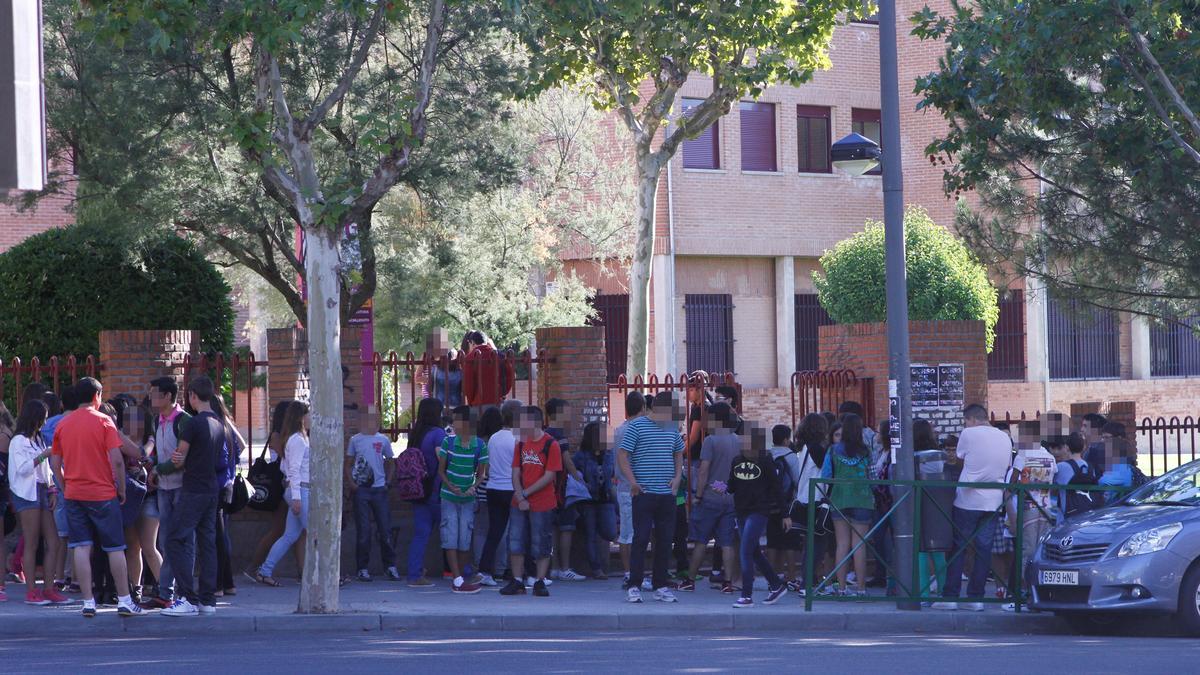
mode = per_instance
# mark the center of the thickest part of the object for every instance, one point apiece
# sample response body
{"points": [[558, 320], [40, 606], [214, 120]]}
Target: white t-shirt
{"points": [[500, 456], [986, 454]]}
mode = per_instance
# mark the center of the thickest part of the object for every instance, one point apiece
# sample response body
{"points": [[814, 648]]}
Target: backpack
{"points": [[362, 474], [787, 482], [1079, 501], [410, 475]]}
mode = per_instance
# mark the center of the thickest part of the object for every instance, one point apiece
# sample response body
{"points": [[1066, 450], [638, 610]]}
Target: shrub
{"points": [[60, 288], [945, 280]]}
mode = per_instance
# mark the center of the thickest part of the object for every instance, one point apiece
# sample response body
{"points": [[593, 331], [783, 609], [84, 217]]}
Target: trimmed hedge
{"points": [[945, 280], [60, 288]]}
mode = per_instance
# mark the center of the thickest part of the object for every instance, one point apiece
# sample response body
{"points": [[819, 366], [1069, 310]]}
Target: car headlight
{"points": [[1149, 541]]}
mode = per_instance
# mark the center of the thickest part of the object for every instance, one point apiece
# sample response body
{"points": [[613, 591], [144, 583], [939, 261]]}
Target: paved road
{"points": [[581, 652]]}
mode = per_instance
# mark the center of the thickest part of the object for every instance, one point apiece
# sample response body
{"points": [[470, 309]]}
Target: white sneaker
{"points": [[208, 610], [1010, 607], [556, 574], [571, 575], [971, 606], [633, 595], [647, 585], [486, 580], [665, 595], [947, 606], [530, 581], [181, 607]]}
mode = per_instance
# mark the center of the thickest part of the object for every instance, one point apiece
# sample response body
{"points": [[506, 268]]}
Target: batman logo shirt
{"points": [[747, 470]]}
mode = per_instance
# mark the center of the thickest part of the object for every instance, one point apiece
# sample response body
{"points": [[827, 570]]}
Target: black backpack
{"points": [[787, 482], [1079, 501]]}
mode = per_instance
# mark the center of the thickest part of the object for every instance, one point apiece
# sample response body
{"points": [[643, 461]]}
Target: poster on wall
{"points": [[924, 379], [951, 384], [595, 410]]}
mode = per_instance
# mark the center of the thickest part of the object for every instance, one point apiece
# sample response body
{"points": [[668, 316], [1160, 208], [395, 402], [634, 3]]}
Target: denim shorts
{"points": [[625, 511], [860, 516], [537, 526], [42, 501], [150, 505], [103, 516], [711, 521], [457, 525], [566, 518]]}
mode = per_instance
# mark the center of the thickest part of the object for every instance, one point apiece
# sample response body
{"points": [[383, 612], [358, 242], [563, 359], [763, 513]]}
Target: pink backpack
{"points": [[410, 475]]}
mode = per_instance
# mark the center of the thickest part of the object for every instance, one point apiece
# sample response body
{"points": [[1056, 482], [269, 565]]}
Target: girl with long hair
{"points": [[29, 480], [427, 435], [296, 466], [853, 504], [275, 444]]}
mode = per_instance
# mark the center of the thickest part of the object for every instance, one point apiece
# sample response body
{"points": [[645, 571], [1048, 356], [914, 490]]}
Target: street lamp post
{"points": [[856, 157]]}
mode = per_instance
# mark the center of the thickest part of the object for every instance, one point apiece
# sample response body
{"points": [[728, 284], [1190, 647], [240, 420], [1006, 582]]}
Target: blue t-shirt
{"points": [[652, 450], [48, 429], [1119, 474]]}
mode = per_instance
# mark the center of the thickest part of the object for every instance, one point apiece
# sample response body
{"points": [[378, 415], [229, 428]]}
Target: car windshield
{"points": [[1181, 487]]}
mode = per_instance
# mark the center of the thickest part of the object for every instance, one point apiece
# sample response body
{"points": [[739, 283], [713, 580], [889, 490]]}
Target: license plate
{"points": [[1060, 577]]}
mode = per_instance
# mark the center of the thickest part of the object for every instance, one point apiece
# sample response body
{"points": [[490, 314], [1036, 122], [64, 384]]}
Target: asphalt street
{"points": [[629, 652]]}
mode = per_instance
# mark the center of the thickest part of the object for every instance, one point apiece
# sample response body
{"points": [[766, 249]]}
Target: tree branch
{"points": [[1159, 109], [347, 79]]}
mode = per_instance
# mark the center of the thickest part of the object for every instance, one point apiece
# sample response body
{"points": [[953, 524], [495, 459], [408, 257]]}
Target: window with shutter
{"points": [[1084, 341], [812, 138], [810, 316], [866, 123], [612, 312], [758, 136], [1007, 360], [703, 151], [709, 341], [1175, 348]]}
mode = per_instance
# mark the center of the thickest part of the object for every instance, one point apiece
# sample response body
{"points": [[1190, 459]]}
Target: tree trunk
{"points": [[639, 272], [322, 562]]}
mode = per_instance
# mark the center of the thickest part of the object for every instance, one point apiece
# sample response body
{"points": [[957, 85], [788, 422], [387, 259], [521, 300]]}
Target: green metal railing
{"points": [[912, 491]]}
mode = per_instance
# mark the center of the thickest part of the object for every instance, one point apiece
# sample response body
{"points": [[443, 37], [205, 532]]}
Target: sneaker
{"points": [[556, 574], [795, 585], [530, 581], [647, 585], [686, 586], [132, 609], [572, 575], [89, 612], [393, 574], [363, 575], [55, 597], [465, 588], [776, 594], [34, 597], [851, 578], [1009, 607], [971, 606], [72, 587], [625, 582], [539, 589], [514, 587], [487, 580], [742, 603], [16, 577], [181, 607], [156, 603], [947, 606], [208, 610], [633, 595], [665, 595]]}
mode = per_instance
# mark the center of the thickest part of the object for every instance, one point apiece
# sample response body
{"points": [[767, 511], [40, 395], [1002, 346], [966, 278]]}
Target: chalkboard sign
{"points": [[951, 384], [924, 382], [595, 410]]}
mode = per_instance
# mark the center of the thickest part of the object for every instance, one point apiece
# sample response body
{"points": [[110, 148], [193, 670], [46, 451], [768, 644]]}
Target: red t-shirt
{"points": [[83, 439], [534, 460]]}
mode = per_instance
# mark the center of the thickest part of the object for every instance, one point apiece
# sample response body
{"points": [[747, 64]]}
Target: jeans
{"points": [[195, 516], [531, 534], [291, 534], [752, 527], [372, 502], [498, 504], [882, 542], [679, 540], [224, 550], [600, 528], [965, 523], [167, 501], [424, 516], [652, 514]]}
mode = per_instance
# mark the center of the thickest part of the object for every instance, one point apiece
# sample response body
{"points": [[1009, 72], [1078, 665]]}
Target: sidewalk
{"points": [[572, 606]]}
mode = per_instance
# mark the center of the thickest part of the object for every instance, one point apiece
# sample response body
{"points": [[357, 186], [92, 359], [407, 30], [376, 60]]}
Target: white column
{"points": [[785, 320], [1037, 341], [1139, 331], [663, 299]]}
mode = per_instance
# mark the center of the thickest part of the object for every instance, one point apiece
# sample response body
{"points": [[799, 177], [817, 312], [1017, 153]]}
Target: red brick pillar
{"points": [[287, 374], [576, 373], [131, 358]]}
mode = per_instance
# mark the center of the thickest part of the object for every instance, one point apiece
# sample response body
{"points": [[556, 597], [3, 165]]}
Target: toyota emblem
{"points": [[1066, 542]]}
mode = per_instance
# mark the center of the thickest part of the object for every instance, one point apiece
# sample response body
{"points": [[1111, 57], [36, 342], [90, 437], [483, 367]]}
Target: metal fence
{"points": [[815, 391], [53, 372], [1167, 442]]}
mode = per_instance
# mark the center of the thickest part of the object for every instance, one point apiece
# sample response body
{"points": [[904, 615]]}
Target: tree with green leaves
{"points": [[305, 113], [633, 58], [1076, 125]]}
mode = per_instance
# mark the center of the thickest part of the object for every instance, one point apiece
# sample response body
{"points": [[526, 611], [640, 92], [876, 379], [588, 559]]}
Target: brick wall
{"points": [[577, 373], [288, 376], [50, 213], [862, 347], [131, 358], [1158, 397], [768, 406]]}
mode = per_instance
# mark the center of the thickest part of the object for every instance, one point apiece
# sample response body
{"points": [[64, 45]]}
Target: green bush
{"points": [[60, 288], [945, 281]]}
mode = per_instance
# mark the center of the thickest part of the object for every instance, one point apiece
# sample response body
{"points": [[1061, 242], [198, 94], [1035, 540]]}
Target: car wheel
{"points": [[1188, 614], [1093, 623]]}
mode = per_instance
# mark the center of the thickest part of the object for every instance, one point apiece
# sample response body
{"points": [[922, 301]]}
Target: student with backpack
{"points": [[536, 464], [417, 483], [368, 473], [462, 467], [599, 513], [853, 504], [784, 543], [754, 484], [1075, 471], [713, 517]]}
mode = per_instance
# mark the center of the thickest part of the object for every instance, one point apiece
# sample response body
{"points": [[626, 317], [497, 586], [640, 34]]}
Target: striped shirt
{"points": [[652, 450], [461, 464]]}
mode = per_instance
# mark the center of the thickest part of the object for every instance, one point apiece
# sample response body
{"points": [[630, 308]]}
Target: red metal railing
{"points": [[815, 391], [59, 371], [241, 371]]}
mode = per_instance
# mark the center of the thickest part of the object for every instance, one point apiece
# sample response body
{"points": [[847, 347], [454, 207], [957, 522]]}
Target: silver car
{"points": [[1142, 554]]}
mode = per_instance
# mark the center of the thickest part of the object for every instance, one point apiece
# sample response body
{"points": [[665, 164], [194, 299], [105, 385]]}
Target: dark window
{"points": [[1175, 348], [866, 123], [874, 18], [709, 332], [1007, 360], [612, 312], [703, 151], [810, 316], [758, 136], [812, 138], [1084, 341]]}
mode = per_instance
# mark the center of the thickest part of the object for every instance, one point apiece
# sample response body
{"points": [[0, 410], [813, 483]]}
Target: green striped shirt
{"points": [[461, 463]]}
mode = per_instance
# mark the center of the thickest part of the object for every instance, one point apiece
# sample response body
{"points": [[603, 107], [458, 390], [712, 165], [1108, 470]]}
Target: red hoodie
{"points": [[482, 381]]}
